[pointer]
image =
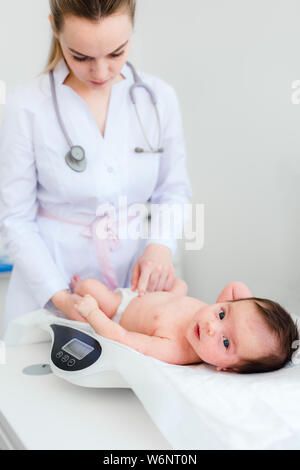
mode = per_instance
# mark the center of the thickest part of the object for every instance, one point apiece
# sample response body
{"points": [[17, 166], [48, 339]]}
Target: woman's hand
{"points": [[65, 302], [154, 271]]}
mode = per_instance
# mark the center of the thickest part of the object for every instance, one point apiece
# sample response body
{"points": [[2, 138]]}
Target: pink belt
{"points": [[108, 241]]}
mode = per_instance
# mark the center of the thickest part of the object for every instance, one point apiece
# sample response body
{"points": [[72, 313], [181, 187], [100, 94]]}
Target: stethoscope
{"points": [[76, 158]]}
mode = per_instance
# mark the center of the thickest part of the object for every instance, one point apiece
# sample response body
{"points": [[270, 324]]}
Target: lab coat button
{"points": [[110, 169]]}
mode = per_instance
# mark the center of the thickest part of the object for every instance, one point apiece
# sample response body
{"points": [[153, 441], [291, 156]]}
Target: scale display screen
{"points": [[77, 348]]}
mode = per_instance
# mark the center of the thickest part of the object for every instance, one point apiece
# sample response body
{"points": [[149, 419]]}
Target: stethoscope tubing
{"points": [[79, 164]]}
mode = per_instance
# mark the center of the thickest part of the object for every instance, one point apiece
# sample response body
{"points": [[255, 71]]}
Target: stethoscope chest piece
{"points": [[75, 158]]}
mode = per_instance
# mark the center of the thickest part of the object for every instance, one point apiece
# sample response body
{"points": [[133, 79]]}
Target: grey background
{"points": [[232, 63]]}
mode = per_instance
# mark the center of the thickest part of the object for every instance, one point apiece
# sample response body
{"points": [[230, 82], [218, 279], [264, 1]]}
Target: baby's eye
{"points": [[226, 343], [221, 314]]}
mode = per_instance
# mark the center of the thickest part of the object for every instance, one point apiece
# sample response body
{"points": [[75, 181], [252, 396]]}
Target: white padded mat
{"points": [[196, 407]]}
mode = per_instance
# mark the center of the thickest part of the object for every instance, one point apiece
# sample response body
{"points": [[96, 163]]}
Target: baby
{"points": [[239, 333]]}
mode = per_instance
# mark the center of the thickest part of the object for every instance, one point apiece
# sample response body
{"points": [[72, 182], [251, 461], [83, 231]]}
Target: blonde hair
{"points": [[90, 9]]}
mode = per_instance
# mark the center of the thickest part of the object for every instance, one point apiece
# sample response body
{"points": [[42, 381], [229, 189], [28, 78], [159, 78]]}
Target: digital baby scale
{"points": [[77, 353]]}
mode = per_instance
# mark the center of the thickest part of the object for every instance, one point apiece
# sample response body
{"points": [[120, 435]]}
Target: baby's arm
{"points": [[234, 291], [161, 348], [180, 287]]}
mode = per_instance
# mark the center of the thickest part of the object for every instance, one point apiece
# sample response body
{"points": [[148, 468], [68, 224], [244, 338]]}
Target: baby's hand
{"points": [[86, 305]]}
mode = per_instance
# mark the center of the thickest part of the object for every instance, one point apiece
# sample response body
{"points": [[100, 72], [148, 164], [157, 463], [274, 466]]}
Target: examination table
{"points": [[191, 407]]}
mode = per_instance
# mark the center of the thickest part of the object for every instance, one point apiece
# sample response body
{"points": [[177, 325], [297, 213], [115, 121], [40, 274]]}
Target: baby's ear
{"points": [[226, 369]]}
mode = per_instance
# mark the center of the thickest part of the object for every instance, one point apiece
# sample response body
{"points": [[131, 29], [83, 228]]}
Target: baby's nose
{"points": [[209, 328]]}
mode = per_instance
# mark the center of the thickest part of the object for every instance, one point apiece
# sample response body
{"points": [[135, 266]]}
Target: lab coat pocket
{"points": [[143, 174], [50, 170]]}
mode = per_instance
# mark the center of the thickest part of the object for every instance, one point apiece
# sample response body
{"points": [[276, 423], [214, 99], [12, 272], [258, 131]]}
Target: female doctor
{"points": [[73, 139]]}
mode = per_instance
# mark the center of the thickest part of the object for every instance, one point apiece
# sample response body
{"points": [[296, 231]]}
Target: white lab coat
{"points": [[33, 172]]}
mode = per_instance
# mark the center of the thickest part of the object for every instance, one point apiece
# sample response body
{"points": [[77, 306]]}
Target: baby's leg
{"points": [[107, 300], [234, 291]]}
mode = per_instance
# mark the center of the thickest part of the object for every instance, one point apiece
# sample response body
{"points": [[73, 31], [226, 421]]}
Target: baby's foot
{"points": [[74, 282]]}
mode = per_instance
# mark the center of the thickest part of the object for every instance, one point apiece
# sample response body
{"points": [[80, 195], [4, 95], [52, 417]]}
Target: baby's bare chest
{"points": [[159, 314]]}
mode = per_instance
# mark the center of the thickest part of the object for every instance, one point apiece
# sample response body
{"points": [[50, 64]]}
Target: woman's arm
{"points": [[18, 204], [173, 186], [154, 271]]}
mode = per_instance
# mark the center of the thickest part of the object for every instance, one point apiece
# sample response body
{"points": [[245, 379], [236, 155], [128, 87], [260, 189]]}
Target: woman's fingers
{"points": [[146, 271], [153, 280], [162, 281], [135, 276], [158, 278], [169, 281]]}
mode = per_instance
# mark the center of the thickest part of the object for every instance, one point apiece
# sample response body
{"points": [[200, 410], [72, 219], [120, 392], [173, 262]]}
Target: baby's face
{"points": [[227, 333]]}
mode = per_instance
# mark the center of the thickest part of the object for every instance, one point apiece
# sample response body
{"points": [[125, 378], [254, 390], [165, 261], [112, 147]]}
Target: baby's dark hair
{"points": [[280, 322]]}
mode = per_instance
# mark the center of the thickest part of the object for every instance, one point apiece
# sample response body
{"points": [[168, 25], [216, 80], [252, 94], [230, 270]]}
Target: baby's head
{"points": [[244, 336]]}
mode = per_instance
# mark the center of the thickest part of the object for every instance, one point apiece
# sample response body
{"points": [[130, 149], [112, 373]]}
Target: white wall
{"points": [[232, 63]]}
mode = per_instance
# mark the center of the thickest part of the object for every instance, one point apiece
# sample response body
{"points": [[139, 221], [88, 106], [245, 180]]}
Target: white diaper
{"points": [[127, 296]]}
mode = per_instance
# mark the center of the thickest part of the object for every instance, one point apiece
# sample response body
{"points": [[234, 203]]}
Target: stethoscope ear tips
{"points": [[140, 150]]}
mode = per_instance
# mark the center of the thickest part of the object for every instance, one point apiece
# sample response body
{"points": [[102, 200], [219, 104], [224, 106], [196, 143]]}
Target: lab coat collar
{"points": [[61, 72]]}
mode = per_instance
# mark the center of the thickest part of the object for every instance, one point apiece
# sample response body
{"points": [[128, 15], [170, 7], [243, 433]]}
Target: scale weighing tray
{"points": [[48, 413]]}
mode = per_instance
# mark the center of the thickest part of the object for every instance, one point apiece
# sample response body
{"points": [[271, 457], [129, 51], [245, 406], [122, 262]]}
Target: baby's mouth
{"points": [[197, 331]]}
